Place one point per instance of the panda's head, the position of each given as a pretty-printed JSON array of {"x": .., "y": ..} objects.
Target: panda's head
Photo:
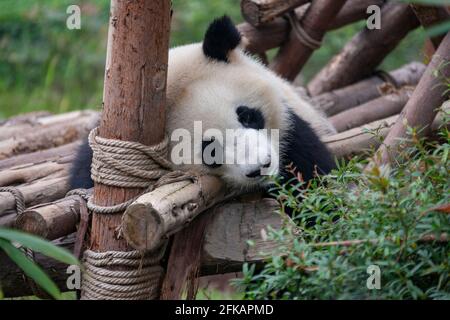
[{"x": 215, "y": 90}]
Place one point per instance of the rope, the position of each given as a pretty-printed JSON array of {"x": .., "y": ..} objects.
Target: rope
[
  {"x": 129, "y": 164},
  {"x": 19, "y": 198},
  {"x": 141, "y": 282},
  {"x": 301, "y": 33},
  {"x": 126, "y": 164}
]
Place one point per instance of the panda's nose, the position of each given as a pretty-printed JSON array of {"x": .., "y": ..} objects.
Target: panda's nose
[
  {"x": 267, "y": 165},
  {"x": 254, "y": 174}
]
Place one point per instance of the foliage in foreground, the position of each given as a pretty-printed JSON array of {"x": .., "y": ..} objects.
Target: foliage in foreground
[
  {"x": 9, "y": 241},
  {"x": 393, "y": 210}
]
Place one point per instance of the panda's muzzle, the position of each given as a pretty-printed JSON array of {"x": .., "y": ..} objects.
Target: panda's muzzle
[{"x": 257, "y": 173}]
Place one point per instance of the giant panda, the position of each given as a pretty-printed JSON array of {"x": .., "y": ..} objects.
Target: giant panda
[{"x": 222, "y": 86}]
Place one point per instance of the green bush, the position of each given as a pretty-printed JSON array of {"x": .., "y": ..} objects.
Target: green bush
[{"x": 390, "y": 211}]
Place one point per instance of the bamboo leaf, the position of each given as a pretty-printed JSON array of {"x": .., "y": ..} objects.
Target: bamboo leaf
[
  {"x": 31, "y": 269},
  {"x": 38, "y": 245}
]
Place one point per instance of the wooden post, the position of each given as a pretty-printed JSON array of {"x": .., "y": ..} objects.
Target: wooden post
[
  {"x": 133, "y": 98},
  {"x": 366, "y": 50},
  {"x": 422, "y": 107},
  {"x": 294, "y": 54}
]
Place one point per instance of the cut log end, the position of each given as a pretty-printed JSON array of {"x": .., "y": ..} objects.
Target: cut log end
[{"x": 142, "y": 226}]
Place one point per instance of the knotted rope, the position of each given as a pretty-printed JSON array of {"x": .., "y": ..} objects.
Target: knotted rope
[
  {"x": 126, "y": 164},
  {"x": 141, "y": 283},
  {"x": 301, "y": 33},
  {"x": 19, "y": 198}
]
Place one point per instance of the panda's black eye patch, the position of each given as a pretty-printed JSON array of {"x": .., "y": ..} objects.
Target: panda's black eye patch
[
  {"x": 212, "y": 153},
  {"x": 250, "y": 118}
]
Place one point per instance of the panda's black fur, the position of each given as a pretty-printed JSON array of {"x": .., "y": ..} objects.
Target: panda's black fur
[{"x": 302, "y": 148}]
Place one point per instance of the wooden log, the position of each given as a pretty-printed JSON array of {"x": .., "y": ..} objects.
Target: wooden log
[
  {"x": 134, "y": 97},
  {"x": 421, "y": 109},
  {"x": 48, "y": 137},
  {"x": 293, "y": 55},
  {"x": 53, "y": 154},
  {"x": 363, "y": 91},
  {"x": 185, "y": 260},
  {"x": 134, "y": 100},
  {"x": 156, "y": 215},
  {"x": 367, "y": 137},
  {"x": 40, "y": 191},
  {"x": 234, "y": 226},
  {"x": 376, "y": 109},
  {"x": 275, "y": 33},
  {"x": 34, "y": 171},
  {"x": 366, "y": 50},
  {"x": 51, "y": 220},
  {"x": 23, "y": 118},
  {"x": 257, "y": 12},
  {"x": 17, "y": 128},
  {"x": 430, "y": 16},
  {"x": 8, "y": 219}
]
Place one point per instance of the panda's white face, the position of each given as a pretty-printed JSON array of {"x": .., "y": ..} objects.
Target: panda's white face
[
  {"x": 237, "y": 118},
  {"x": 216, "y": 85}
]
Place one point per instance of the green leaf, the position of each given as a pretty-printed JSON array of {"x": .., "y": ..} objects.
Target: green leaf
[
  {"x": 39, "y": 245},
  {"x": 31, "y": 269}
]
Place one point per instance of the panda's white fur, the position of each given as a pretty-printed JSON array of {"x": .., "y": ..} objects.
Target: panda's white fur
[
  {"x": 203, "y": 89},
  {"x": 209, "y": 89}
]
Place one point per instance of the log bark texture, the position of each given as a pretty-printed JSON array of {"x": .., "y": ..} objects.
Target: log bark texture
[
  {"x": 366, "y": 50},
  {"x": 293, "y": 55},
  {"x": 376, "y": 109},
  {"x": 51, "y": 220},
  {"x": 50, "y": 136},
  {"x": 34, "y": 171},
  {"x": 368, "y": 89},
  {"x": 133, "y": 98},
  {"x": 183, "y": 267},
  {"x": 34, "y": 122},
  {"x": 40, "y": 191},
  {"x": 275, "y": 33},
  {"x": 422, "y": 107},
  {"x": 156, "y": 215},
  {"x": 258, "y": 12},
  {"x": 54, "y": 154},
  {"x": 367, "y": 137}
]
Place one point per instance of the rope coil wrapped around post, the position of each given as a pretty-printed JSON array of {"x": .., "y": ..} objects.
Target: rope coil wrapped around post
[{"x": 126, "y": 164}]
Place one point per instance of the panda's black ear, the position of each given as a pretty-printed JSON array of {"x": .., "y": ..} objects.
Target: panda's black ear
[{"x": 220, "y": 38}]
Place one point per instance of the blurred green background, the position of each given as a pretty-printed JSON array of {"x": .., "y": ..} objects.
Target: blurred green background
[{"x": 45, "y": 66}]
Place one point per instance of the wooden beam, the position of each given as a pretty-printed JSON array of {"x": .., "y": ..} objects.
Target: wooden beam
[
  {"x": 258, "y": 12},
  {"x": 380, "y": 108},
  {"x": 156, "y": 215},
  {"x": 368, "y": 89},
  {"x": 366, "y": 50},
  {"x": 293, "y": 55},
  {"x": 422, "y": 107},
  {"x": 275, "y": 33}
]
